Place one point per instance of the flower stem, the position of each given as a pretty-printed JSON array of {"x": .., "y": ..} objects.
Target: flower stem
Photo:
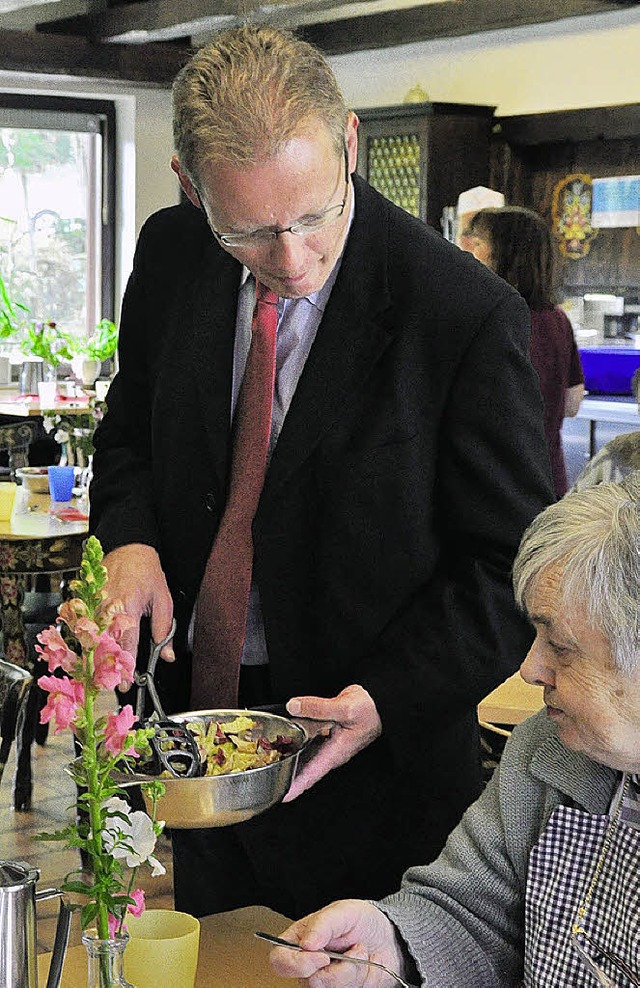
[{"x": 95, "y": 802}]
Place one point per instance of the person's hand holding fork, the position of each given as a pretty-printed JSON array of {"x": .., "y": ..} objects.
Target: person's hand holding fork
[{"x": 350, "y": 927}]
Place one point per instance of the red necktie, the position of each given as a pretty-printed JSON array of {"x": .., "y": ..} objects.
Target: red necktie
[{"x": 223, "y": 599}]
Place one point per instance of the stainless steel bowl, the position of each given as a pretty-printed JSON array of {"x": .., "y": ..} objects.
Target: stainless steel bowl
[
  {"x": 35, "y": 479},
  {"x": 220, "y": 800}
]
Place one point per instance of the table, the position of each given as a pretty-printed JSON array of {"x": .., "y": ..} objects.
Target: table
[
  {"x": 33, "y": 542},
  {"x": 619, "y": 410},
  {"x": 230, "y": 956},
  {"x": 22, "y": 406},
  {"x": 511, "y": 702}
]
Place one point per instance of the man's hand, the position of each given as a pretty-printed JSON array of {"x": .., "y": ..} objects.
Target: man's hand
[
  {"x": 357, "y": 724},
  {"x": 349, "y": 927},
  {"x": 136, "y": 578}
]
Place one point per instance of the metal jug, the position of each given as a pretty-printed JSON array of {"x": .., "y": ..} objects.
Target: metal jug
[
  {"x": 31, "y": 373},
  {"x": 18, "y": 955}
]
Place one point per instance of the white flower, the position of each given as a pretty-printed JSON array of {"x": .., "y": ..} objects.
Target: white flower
[
  {"x": 61, "y": 436},
  {"x": 132, "y": 839},
  {"x": 48, "y": 423}
]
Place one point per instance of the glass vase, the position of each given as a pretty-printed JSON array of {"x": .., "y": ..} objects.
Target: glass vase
[{"x": 106, "y": 958}]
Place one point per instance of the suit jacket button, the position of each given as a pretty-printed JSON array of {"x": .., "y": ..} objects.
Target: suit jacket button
[{"x": 210, "y": 501}]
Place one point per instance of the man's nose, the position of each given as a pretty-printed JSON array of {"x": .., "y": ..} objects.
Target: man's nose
[
  {"x": 536, "y": 669},
  {"x": 289, "y": 249}
]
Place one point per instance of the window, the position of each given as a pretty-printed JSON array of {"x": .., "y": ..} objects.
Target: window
[{"x": 57, "y": 194}]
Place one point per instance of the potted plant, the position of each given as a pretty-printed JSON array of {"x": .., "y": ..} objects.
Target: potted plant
[
  {"x": 44, "y": 348},
  {"x": 90, "y": 353},
  {"x": 10, "y": 313},
  {"x": 12, "y": 316}
]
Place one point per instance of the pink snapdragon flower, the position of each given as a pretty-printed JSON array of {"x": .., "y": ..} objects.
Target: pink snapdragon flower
[
  {"x": 138, "y": 909},
  {"x": 56, "y": 651},
  {"x": 117, "y": 730},
  {"x": 118, "y": 624},
  {"x": 87, "y": 632},
  {"x": 66, "y": 697},
  {"x": 135, "y": 909},
  {"x": 71, "y": 611},
  {"x": 113, "y": 619},
  {"x": 111, "y": 664}
]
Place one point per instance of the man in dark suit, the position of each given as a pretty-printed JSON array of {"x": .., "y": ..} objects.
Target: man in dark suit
[{"x": 407, "y": 456}]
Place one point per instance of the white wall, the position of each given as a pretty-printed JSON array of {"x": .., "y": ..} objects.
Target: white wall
[{"x": 577, "y": 62}]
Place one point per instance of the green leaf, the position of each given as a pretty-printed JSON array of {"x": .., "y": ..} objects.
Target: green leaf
[
  {"x": 67, "y": 833},
  {"x": 88, "y": 914},
  {"x": 80, "y": 888}
]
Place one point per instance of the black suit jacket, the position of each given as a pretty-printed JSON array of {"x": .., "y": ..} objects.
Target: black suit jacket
[{"x": 410, "y": 461}]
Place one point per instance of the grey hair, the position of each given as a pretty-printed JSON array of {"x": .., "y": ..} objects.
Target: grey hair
[
  {"x": 593, "y": 535},
  {"x": 242, "y": 97}
]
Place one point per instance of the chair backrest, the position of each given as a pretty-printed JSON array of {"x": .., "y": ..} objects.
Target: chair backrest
[
  {"x": 616, "y": 460},
  {"x": 16, "y": 437},
  {"x": 13, "y": 684}
]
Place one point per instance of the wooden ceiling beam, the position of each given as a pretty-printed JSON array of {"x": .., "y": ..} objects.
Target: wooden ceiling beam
[
  {"x": 32, "y": 51},
  {"x": 164, "y": 20},
  {"x": 157, "y": 63},
  {"x": 414, "y": 24},
  {"x": 161, "y": 20}
]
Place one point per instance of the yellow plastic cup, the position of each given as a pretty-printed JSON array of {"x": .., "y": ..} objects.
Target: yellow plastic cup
[
  {"x": 162, "y": 949},
  {"x": 7, "y": 498}
]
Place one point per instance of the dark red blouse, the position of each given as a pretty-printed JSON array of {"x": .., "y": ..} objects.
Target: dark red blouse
[{"x": 555, "y": 356}]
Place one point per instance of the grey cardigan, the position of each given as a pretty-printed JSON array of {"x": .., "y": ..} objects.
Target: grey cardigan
[{"x": 462, "y": 917}]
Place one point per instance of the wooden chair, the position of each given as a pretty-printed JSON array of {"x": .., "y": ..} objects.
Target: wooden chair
[
  {"x": 14, "y": 693},
  {"x": 16, "y": 438}
]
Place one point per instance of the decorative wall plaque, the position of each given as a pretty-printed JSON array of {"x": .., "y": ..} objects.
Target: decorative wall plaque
[{"x": 571, "y": 211}]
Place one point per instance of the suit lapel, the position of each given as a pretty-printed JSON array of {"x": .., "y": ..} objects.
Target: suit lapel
[
  {"x": 352, "y": 335},
  {"x": 214, "y": 304}
]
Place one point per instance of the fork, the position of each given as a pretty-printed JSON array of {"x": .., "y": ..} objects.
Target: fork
[{"x": 334, "y": 956}]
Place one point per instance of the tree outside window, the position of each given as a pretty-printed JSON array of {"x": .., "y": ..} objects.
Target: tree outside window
[{"x": 56, "y": 218}]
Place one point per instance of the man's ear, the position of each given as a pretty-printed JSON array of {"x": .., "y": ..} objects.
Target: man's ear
[
  {"x": 351, "y": 136},
  {"x": 185, "y": 182}
]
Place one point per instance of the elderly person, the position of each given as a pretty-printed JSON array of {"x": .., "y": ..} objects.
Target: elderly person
[{"x": 539, "y": 882}]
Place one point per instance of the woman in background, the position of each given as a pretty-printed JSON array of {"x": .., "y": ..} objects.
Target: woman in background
[{"x": 516, "y": 244}]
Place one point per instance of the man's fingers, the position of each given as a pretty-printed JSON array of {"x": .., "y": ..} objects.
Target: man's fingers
[
  {"x": 332, "y": 752},
  {"x": 130, "y": 638},
  {"x": 350, "y": 708},
  {"x": 161, "y": 622},
  {"x": 315, "y": 707}
]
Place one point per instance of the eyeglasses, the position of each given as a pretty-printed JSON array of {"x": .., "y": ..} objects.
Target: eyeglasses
[
  {"x": 258, "y": 238},
  {"x": 597, "y": 954}
]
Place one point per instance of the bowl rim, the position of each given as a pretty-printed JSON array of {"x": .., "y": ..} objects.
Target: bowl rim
[{"x": 137, "y": 777}]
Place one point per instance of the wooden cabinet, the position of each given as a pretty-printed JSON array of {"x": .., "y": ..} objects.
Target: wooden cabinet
[{"x": 423, "y": 155}]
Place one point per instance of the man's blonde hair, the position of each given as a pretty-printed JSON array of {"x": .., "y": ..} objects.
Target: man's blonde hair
[{"x": 244, "y": 95}]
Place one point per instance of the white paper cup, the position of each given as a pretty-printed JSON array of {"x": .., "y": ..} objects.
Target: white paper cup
[
  {"x": 162, "y": 949},
  {"x": 47, "y": 391}
]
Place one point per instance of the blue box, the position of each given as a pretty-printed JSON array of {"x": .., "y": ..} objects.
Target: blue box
[{"x": 608, "y": 370}]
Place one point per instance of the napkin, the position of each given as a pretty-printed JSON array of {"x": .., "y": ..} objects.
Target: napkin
[{"x": 69, "y": 514}]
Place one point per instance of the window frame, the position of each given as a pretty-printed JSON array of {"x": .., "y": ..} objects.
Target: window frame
[{"x": 105, "y": 111}]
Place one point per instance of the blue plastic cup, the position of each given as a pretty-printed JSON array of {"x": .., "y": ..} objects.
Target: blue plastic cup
[{"x": 61, "y": 483}]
